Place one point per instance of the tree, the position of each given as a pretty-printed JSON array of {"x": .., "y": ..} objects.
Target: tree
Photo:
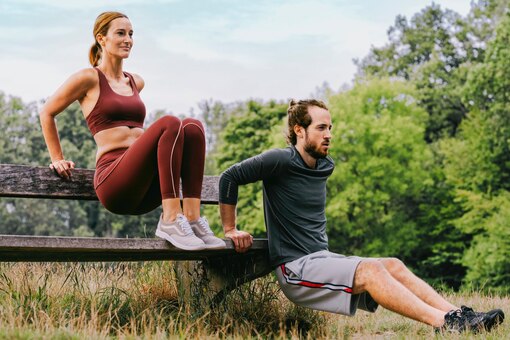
[
  {"x": 381, "y": 168},
  {"x": 477, "y": 163},
  {"x": 216, "y": 116},
  {"x": 434, "y": 50},
  {"x": 382, "y": 194}
]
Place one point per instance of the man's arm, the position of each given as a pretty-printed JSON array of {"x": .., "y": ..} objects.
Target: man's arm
[
  {"x": 242, "y": 239},
  {"x": 251, "y": 170}
]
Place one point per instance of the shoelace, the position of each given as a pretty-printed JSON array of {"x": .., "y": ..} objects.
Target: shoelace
[
  {"x": 183, "y": 223},
  {"x": 204, "y": 225},
  {"x": 455, "y": 313}
]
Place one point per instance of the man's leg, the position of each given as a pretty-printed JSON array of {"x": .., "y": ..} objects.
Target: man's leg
[
  {"x": 417, "y": 286},
  {"x": 373, "y": 277}
]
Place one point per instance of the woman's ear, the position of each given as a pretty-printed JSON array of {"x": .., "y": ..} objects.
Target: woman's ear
[{"x": 100, "y": 39}]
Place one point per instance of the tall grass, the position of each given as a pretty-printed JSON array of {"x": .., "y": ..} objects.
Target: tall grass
[{"x": 142, "y": 301}]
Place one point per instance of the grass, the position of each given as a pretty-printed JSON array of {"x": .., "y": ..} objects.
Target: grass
[{"x": 141, "y": 301}]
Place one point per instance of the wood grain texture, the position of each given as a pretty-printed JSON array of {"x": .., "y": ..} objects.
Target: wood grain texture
[
  {"x": 42, "y": 182},
  {"x": 50, "y": 248}
]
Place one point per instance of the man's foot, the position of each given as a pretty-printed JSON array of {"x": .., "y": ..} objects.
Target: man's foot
[
  {"x": 465, "y": 319},
  {"x": 203, "y": 231},
  {"x": 179, "y": 233},
  {"x": 490, "y": 319}
]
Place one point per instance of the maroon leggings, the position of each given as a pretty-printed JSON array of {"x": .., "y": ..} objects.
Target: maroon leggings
[{"x": 134, "y": 180}]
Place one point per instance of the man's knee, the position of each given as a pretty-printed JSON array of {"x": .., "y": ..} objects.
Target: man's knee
[
  {"x": 393, "y": 265},
  {"x": 368, "y": 273}
]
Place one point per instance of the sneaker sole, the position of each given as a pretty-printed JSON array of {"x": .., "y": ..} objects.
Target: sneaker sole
[
  {"x": 177, "y": 244},
  {"x": 216, "y": 246}
]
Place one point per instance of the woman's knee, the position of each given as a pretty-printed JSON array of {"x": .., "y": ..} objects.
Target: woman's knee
[
  {"x": 171, "y": 123},
  {"x": 193, "y": 127}
]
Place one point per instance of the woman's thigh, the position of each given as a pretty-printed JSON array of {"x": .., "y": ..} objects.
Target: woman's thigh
[{"x": 132, "y": 184}]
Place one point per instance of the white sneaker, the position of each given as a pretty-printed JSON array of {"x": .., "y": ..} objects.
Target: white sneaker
[
  {"x": 179, "y": 233},
  {"x": 203, "y": 231}
]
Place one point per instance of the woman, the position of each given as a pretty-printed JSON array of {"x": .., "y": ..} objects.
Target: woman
[{"x": 136, "y": 170}]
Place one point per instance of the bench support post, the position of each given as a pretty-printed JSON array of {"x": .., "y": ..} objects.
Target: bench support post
[{"x": 203, "y": 284}]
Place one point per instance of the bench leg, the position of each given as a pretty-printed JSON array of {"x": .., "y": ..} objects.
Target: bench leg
[{"x": 203, "y": 284}]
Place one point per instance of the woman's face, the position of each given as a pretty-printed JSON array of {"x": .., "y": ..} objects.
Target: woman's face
[{"x": 119, "y": 39}]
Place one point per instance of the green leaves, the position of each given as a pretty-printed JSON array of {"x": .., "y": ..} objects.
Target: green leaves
[{"x": 382, "y": 166}]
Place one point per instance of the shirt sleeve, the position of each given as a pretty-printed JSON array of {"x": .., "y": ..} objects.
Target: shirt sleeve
[{"x": 260, "y": 167}]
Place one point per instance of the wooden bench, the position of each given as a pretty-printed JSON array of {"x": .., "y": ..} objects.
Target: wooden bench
[{"x": 215, "y": 271}]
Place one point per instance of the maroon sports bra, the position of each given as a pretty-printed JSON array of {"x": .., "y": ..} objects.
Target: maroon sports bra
[{"x": 113, "y": 109}]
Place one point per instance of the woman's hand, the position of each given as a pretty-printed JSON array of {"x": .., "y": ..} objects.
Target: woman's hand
[
  {"x": 241, "y": 239},
  {"x": 63, "y": 168}
]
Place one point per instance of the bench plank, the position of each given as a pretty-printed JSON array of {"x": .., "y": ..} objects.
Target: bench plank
[
  {"x": 213, "y": 272},
  {"x": 42, "y": 182},
  {"x": 51, "y": 248}
]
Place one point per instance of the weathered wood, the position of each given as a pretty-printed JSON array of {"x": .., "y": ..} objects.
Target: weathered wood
[
  {"x": 42, "y": 182},
  {"x": 61, "y": 249},
  {"x": 206, "y": 275}
]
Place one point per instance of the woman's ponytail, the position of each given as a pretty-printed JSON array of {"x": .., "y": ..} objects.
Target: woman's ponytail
[{"x": 95, "y": 54}]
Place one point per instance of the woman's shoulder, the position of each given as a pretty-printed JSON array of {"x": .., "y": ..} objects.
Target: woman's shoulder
[
  {"x": 140, "y": 83},
  {"x": 84, "y": 78}
]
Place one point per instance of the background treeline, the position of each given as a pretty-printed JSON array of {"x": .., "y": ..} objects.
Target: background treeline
[{"x": 421, "y": 144}]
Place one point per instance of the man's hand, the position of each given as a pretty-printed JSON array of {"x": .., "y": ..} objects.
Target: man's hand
[{"x": 242, "y": 240}]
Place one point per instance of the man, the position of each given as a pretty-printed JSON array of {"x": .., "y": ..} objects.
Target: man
[{"x": 294, "y": 188}]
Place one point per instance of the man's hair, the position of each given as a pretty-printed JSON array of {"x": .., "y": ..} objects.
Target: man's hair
[{"x": 297, "y": 114}]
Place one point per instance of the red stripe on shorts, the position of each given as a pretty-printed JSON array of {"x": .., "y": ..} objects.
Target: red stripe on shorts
[
  {"x": 310, "y": 284},
  {"x": 315, "y": 284}
]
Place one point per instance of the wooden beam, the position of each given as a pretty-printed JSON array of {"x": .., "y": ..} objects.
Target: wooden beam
[
  {"x": 42, "y": 182},
  {"x": 63, "y": 249}
]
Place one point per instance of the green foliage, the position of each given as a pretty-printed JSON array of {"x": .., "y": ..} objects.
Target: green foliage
[
  {"x": 216, "y": 116},
  {"x": 477, "y": 164},
  {"x": 382, "y": 166},
  {"x": 487, "y": 258},
  {"x": 487, "y": 135},
  {"x": 434, "y": 50}
]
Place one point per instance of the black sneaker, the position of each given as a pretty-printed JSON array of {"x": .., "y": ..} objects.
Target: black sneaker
[
  {"x": 454, "y": 322},
  {"x": 466, "y": 319},
  {"x": 488, "y": 319}
]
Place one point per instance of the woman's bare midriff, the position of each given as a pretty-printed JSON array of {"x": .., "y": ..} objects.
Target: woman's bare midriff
[{"x": 115, "y": 138}]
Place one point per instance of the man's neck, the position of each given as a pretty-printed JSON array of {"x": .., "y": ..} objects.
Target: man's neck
[{"x": 310, "y": 161}]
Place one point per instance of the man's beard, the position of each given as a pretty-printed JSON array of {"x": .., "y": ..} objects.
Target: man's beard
[{"x": 314, "y": 151}]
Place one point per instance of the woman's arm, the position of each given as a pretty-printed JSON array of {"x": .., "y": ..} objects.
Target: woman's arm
[{"x": 74, "y": 88}]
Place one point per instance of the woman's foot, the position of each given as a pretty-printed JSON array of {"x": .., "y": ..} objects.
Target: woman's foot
[
  {"x": 179, "y": 233},
  {"x": 203, "y": 231}
]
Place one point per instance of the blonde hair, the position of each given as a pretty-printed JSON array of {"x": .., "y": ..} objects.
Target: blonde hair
[
  {"x": 297, "y": 114},
  {"x": 101, "y": 26}
]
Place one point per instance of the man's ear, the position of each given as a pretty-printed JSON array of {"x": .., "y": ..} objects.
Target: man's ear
[{"x": 298, "y": 130}]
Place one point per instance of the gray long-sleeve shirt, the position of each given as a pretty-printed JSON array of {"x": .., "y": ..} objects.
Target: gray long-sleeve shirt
[{"x": 294, "y": 200}]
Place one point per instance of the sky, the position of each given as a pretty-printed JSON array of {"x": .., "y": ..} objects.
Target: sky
[{"x": 188, "y": 51}]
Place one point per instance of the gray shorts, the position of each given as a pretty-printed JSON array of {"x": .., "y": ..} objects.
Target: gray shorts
[{"x": 323, "y": 281}]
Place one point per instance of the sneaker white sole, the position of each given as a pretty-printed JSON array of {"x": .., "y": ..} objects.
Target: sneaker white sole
[
  {"x": 179, "y": 245},
  {"x": 216, "y": 246}
]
